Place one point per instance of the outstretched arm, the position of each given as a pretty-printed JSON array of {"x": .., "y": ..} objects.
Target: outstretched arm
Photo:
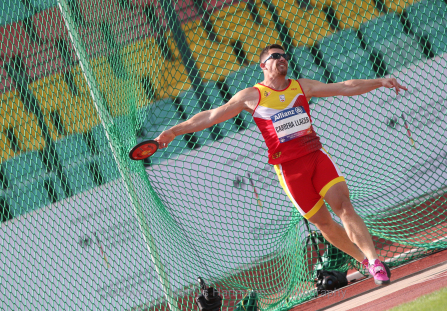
[
  {"x": 243, "y": 100},
  {"x": 314, "y": 88}
]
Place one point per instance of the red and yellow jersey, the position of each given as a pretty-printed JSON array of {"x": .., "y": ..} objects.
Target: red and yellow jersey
[{"x": 283, "y": 117}]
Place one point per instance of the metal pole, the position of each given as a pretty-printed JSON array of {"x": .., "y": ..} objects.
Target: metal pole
[{"x": 106, "y": 119}]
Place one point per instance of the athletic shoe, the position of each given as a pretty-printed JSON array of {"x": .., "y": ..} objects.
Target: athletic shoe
[{"x": 379, "y": 270}]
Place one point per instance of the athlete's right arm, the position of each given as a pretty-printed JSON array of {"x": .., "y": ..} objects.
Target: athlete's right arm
[{"x": 246, "y": 99}]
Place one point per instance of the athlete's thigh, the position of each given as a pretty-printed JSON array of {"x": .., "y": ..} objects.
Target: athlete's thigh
[
  {"x": 327, "y": 174},
  {"x": 296, "y": 179},
  {"x": 337, "y": 195}
]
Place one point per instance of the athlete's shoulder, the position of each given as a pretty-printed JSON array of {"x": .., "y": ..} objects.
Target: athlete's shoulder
[{"x": 248, "y": 94}]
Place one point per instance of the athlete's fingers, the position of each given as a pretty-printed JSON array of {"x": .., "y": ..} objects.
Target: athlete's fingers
[{"x": 164, "y": 139}]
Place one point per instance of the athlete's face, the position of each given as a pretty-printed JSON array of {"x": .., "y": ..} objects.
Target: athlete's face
[{"x": 276, "y": 65}]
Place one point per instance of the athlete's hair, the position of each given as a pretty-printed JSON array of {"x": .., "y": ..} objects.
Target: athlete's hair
[{"x": 266, "y": 50}]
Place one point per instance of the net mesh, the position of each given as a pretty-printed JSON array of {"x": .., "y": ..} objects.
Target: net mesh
[{"x": 84, "y": 227}]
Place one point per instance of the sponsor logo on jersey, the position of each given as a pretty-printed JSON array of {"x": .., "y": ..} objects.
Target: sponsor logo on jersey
[
  {"x": 282, "y": 98},
  {"x": 266, "y": 93}
]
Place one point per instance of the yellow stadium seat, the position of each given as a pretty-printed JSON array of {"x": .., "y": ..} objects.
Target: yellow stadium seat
[
  {"x": 353, "y": 13},
  {"x": 214, "y": 60},
  {"x": 305, "y": 26},
  {"x": 22, "y": 123},
  {"x": 5, "y": 150},
  {"x": 77, "y": 113},
  {"x": 399, "y": 5},
  {"x": 235, "y": 23},
  {"x": 144, "y": 59}
]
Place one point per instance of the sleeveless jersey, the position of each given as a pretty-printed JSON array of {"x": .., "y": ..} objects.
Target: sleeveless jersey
[{"x": 283, "y": 117}]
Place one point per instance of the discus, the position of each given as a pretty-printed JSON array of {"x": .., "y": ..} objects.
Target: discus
[{"x": 143, "y": 150}]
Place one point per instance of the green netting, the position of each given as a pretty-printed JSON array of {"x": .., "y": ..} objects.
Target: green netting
[{"x": 82, "y": 81}]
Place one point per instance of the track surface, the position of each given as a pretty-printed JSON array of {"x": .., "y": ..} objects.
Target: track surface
[{"x": 409, "y": 281}]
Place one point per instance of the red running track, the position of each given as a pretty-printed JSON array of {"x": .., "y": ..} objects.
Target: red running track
[{"x": 409, "y": 282}]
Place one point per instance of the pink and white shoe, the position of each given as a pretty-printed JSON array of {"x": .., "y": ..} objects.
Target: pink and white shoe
[{"x": 379, "y": 271}]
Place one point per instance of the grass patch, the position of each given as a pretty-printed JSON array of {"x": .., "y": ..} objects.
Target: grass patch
[{"x": 434, "y": 301}]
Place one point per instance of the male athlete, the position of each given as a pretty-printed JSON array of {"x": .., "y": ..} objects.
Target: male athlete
[{"x": 305, "y": 170}]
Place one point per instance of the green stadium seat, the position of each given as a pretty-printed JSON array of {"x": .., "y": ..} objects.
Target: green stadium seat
[
  {"x": 429, "y": 18},
  {"x": 56, "y": 185},
  {"x": 244, "y": 78},
  {"x": 386, "y": 35},
  {"x": 41, "y": 5},
  {"x": 306, "y": 65},
  {"x": 13, "y": 11},
  {"x": 344, "y": 57},
  {"x": 23, "y": 167},
  {"x": 24, "y": 177},
  {"x": 105, "y": 160},
  {"x": 27, "y": 197},
  {"x": 75, "y": 158}
]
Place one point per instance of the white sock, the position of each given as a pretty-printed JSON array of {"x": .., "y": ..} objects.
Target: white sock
[{"x": 371, "y": 261}]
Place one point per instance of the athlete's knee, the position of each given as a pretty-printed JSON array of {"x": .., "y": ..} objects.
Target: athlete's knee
[
  {"x": 345, "y": 209},
  {"x": 323, "y": 223}
]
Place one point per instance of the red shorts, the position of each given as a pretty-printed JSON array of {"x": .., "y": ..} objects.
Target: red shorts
[{"x": 307, "y": 179}]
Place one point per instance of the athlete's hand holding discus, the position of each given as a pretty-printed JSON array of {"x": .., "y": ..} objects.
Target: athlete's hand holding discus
[{"x": 165, "y": 138}]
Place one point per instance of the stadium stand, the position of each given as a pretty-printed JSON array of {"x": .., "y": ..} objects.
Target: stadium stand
[
  {"x": 167, "y": 77},
  {"x": 104, "y": 161},
  {"x": 213, "y": 59},
  {"x": 23, "y": 176},
  {"x": 305, "y": 26},
  {"x": 236, "y": 23},
  {"x": 20, "y": 126},
  {"x": 76, "y": 114},
  {"x": 386, "y": 35},
  {"x": 353, "y": 13},
  {"x": 428, "y": 18},
  {"x": 399, "y": 6},
  {"x": 344, "y": 57},
  {"x": 13, "y": 11},
  {"x": 76, "y": 159}
]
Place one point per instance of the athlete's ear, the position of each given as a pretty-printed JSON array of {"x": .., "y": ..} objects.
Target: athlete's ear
[{"x": 262, "y": 65}]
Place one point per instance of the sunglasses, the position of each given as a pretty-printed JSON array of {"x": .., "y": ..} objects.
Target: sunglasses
[{"x": 277, "y": 56}]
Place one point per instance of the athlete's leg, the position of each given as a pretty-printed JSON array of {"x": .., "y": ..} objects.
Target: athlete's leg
[
  {"x": 338, "y": 198},
  {"x": 334, "y": 233}
]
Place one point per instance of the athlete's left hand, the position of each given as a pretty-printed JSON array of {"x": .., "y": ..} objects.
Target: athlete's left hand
[{"x": 392, "y": 83}]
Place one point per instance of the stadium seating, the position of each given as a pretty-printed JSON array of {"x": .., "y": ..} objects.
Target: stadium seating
[
  {"x": 23, "y": 176},
  {"x": 305, "y": 26},
  {"x": 77, "y": 112},
  {"x": 246, "y": 77},
  {"x": 235, "y": 23},
  {"x": 168, "y": 77},
  {"x": 344, "y": 57},
  {"x": 49, "y": 25},
  {"x": 399, "y": 6},
  {"x": 429, "y": 18},
  {"x": 213, "y": 59},
  {"x": 13, "y": 11},
  {"x": 353, "y": 13},
  {"x": 306, "y": 65},
  {"x": 75, "y": 158},
  {"x": 158, "y": 117},
  {"x": 21, "y": 123},
  {"x": 105, "y": 160},
  {"x": 386, "y": 35},
  {"x": 5, "y": 150}
]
